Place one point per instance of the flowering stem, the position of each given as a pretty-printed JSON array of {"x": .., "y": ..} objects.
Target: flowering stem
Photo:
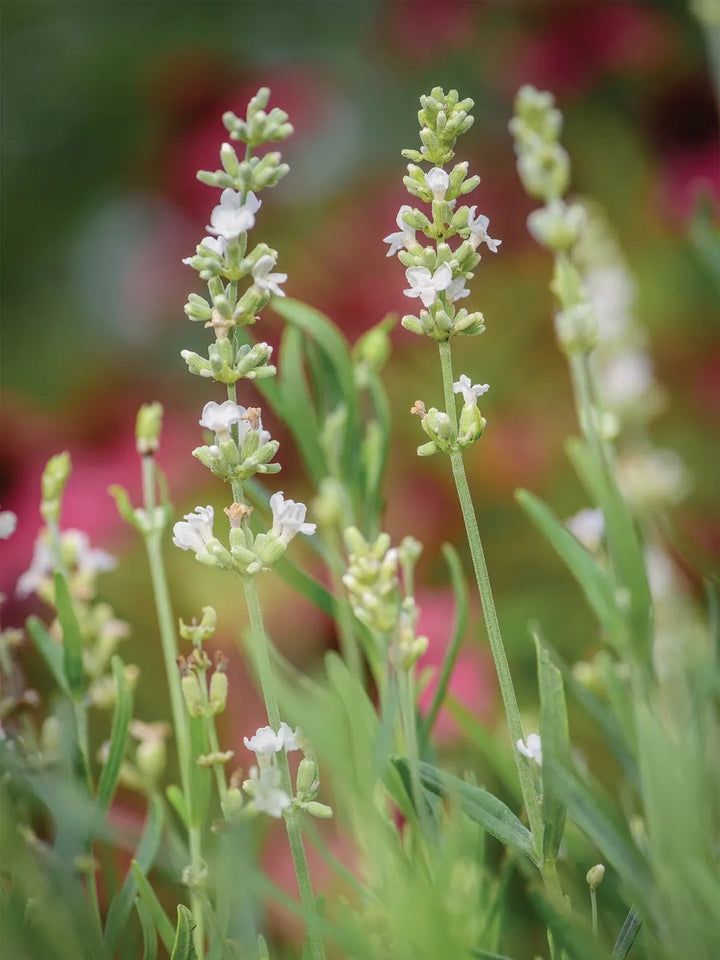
[
  {"x": 213, "y": 743},
  {"x": 593, "y": 908},
  {"x": 170, "y": 653},
  {"x": 512, "y": 713},
  {"x": 261, "y": 658}
]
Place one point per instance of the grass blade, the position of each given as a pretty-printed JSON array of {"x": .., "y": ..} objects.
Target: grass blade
[
  {"x": 154, "y": 908},
  {"x": 49, "y": 650},
  {"x": 118, "y": 736},
  {"x": 72, "y": 639}
]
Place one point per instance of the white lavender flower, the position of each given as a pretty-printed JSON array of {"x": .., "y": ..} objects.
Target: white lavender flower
[
  {"x": 8, "y": 522},
  {"x": 404, "y": 236},
  {"x": 86, "y": 560},
  {"x": 219, "y": 417},
  {"x": 265, "y": 741},
  {"x": 626, "y": 378},
  {"x": 268, "y": 796},
  {"x": 427, "y": 285},
  {"x": 196, "y": 531},
  {"x": 438, "y": 181},
  {"x": 265, "y": 280},
  {"x": 457, "y": 289},
  {"x": 233, "y": 216},
  {"x": 469, "y": 391},
  {"x": 478, "y": 231},
  {"x": 532, "y": 749},
  {"x": 216, "y": 245},
  {"x": 288, "y": 518}
]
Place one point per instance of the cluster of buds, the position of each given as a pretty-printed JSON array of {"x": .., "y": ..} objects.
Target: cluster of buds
[
  {"x": 264, "y": 786},
  {"x": 439, "y": 427},
  {"x": 381, "y": 598},
  {"x": 222, "y": 258},
  {"x": 437, "y": 274},
  {"x": 544, "y": 169},
  {"x": 239, "y": 456},
  {"x": 201, "y": 699},
  {"x": 248, "y": 554}
]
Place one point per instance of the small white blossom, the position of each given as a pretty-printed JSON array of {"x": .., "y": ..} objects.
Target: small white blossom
[
  {"x": 588, "y": 527},
  {"x": 661, "y": 573},
  {"x": 427, "y": 285},
  {"x": 438, "y": 181},
  {"x": 478, "y": 231},
  {"x": 8, "y": 522},
  {"x": 469, "y": 391},
  {"x": 532, "y": 749},
  {"x": 219, "y": 417},
  {"x": 195, "y": 533},
  {"x": 266, "y": 281},
  {"x": 612, "y": 293},
  {"x": 232, "y": 216},
  {"x": 289, "y": 737},
  {"x": 87, "y": 560},
  {"x": 216, "y": 245},
  {"x": 266, "y": 792},
  {"x": 404, "y": 237},
  {"x": 457, "y": 289},
  {"x": 624, "y": 379},
  {"x": 266, "y": 741},
  {"x": 288, "y": 518}
]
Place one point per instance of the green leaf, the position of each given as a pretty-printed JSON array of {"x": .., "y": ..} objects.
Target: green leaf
[
  {"x": 144, "y": 857},
  {"x": 154, "y": 908},
  {"x": 555, "y": 744},
  {"x": 306, "y": 586},
  {"x": 183, "y": 947},
  {"x": 177, "y": 800},
  {"x": 72, "y": 639},
  {"x": 479, "y": 954},
  {"x": 298, "y": 403},
  {"x": 200, "y": 777},
  {"x": 482, "y": 807},
  {"x": 626, "y": 937},
  {"x": 149, "y": 932},
  {"x": 49, "y": 650},
  {"x": 595, "y": 582},
  {"x": 118, "y": 736},
  {"x": 452, "y": 558}
]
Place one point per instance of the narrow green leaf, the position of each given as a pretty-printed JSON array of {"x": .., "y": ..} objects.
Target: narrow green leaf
[
  {"x": 154, "y": 908},
  {"x": 147, "y": 849},
  {"x": 299, "y": 404},
  {"x": 452, "y": 558},
  {"x": 595, "y": 582},
  {"x": 555, "y": 744},
  {"x": 626, "y": 936},
  {"x": 183, "y": 947},
  {"x": 118, "y": 736},
  {"x": 200, "y": 777},
  {"x": 72, "y": 640},
  {"x": 177, "y": 800},
  {"x": 148, "y": 930},
  {"x": 482, "y": 807},
  {"x": 49, "y": 650}
]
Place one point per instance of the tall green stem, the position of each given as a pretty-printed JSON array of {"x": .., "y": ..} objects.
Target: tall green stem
[
  {"x": 512, "y": 713},
  {"x": 166, "y": 624}
]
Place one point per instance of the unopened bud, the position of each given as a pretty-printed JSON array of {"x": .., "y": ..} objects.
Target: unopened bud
[
  {"x": 319, "y": 810},
  {"x": 147, "y": 428},
  {"x": 307, "y": 780},
  {"x": 232, "y": 805},
  {"x": 192, "y": 694},
  {"x": 594, "y": 876},
  {"x": 218, "y": 691},
  {"x": 150, "y": 758},
  {"x": 55, "y": 476}
]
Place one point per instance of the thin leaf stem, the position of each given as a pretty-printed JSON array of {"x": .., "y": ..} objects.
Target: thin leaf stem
[{"x": 507, "y": 690}]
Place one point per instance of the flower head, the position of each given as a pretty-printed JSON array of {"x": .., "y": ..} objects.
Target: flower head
[
  {"x": 197, "y": 530},
  {"x": 232, "y": 216},
  {"x": 532, "y": 749},
  {"x": 266, "y": 792},
  {"x": 438, "y": 181},
  {"x": 219, "y": 417},
  {"x": 85, "y": 560},
  {"x": 288, "y": 518},
  {"x": 265, "y": 741},
  {"x": 478, "y": 231},
  {"x": 470, "y": 393},
  {"x": 405, "y": 236},
  {"x": 427, "y": 285},
  {"x": 266, "y": 281}
]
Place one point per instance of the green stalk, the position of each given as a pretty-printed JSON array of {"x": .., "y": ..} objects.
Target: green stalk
[
  {"x": 166, "y": 624},
  {"x": 512, "y": 713},
  {"x": 213, "y": 742}
]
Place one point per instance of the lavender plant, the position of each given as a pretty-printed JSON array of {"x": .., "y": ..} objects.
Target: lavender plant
[{"x": 429, "y": 854}]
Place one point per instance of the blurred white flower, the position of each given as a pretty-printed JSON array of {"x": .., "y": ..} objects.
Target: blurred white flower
[
  {"x": 266, "y": 792},
  {"x": 532, "y": 749},
  {"x": 8, "y": 522},
  {"x": 233, "y": 216},
  {"x": 611, "y": 292},
  {"x": 470, "y": 393},
  {"x": 84, "y": 559},
  {"x": 588, "y": 527},
  {"x": 427, "y": 285},
  {"x": 195, "y": 533},
  {"x": 404, "y": 237},
  {"x": 288, "y": 518},
  {"x": 626, "y": 378},
  {"x": 265, "y": 280}
]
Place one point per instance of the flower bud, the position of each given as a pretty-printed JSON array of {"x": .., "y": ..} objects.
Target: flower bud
[
  {"x": 307, "y": 784},
  {"x": 320, "y": 810},
  {"x": 594, "y": 876},
  {"x": 577, "y": 328},
  {"x": 192, "y": 694},
  {"x": 198, "y": 632},
  {"x": 472, "y": 424},
  {"x": 218, "y": 691},
  {"x": 232, "y": 805},
  {"x": 148, "y": 427},
  {"x": 54, "y": 478},
  {"x": 150, "y": 758}
]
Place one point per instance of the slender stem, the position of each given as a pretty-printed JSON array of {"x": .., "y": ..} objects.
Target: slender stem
[
  {"x": 512, "y": 713},
  {"x": 166, "y": 624},
  {"x": 261, "y": 658},
  {"x": 593, "y": 908},
  {"x": 213, "y": 742},
  {"x": 408, "y": 717}
]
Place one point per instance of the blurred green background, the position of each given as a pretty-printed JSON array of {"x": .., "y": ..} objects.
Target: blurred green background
[{"x": 109, "y": 108}]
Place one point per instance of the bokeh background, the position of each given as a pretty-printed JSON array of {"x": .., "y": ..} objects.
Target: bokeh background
[{"x": 109, "y": 108}]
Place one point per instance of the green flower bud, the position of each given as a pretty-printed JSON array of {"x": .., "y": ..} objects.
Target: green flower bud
[
  {"x": 557, "y": 226},
  {"x": 192, "y": 694},
  {"x": 54, "y": 478},
  {"x": 148, "y": 427},
  {"x": 307, "y": 784},
  {"x": 232, "y": 805},
  {"x": 218, "y": 691},
  {"x": 199, "y": 632},
  {"x": 594, "y": 876},
  {"x": 197, "y": 308},
  {"x": 427, "y": 449},
  {"x": 577, "y": 328},
  {"x": 196, "y": 364},
  {"x": 319, "y": 810},
  {"x": 472, "y": 424},
  {"x": 151, "y": 757},
  {"x": 229, "y": 159},
  {"x": 411, "y": 323}
]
